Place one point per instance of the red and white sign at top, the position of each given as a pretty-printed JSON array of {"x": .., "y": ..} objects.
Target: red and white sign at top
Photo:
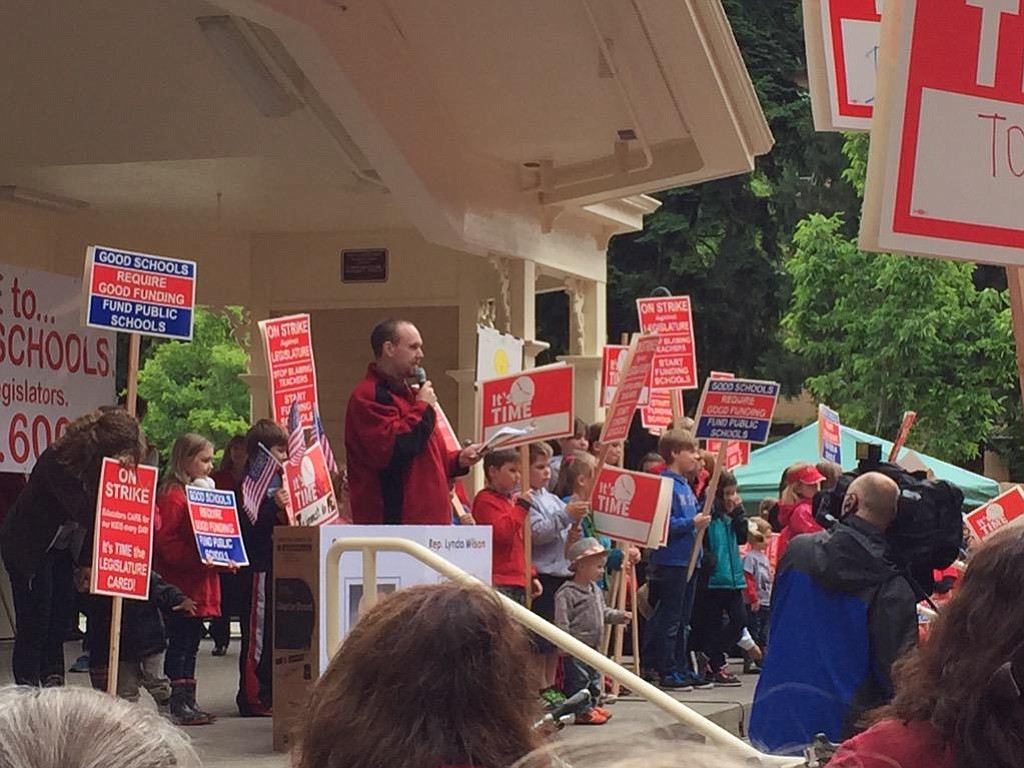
[
  {"x": 288, "y": 344},
  {"x": 122, "y": 552},
  {"x": 1000, "y": 512},
  {"x": 946, "y": 168},
  {"x": 845, "y": 35},
  {"x": 539, "y": 400},
  {"x": 632, "y": 382},
  {"x": 613, "y": 362},
  {"x": 671, "y": 319}
]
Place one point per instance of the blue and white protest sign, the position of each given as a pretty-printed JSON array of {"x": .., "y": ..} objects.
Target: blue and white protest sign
[
  {"x": 736, "y": 409},
  {"x": 830, "y": 435},
  {"x": 139, "y": 293},
  {"x": 215, "y": 523}
]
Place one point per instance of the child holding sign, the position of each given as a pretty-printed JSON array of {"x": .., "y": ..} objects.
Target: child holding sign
[
  {"x": 497, "y": 506},
  {"x": 176, "y": 558},
  {"x": 550, "y": 522}
]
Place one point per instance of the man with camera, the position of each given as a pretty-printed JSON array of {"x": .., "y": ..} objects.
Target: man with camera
[{"x": 842, "y": 613}]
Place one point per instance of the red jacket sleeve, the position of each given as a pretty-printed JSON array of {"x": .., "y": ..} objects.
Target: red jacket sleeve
[
  {"x": 173, "y": 537},
  {"x": 505, "y": 519},
  {"x": 751, "y": 591},
  {"x": 803, "y": 520},
  {"x": 382, "y": 431}
]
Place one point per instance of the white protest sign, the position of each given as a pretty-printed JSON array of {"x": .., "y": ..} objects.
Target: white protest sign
[{"x": 497, "y": 354}]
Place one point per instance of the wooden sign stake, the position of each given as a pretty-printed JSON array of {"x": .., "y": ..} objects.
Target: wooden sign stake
[
  {"x": 709, "y": 500},
  {"x": 113, "y": 657}
]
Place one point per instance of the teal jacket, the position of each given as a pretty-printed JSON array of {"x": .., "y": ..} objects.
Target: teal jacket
[{"x": 723, "y": 538}]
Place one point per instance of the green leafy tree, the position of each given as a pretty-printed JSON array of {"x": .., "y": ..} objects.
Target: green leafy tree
[
  {"x": 195, "y": 386},
  {"x": 890, "y": 333}
]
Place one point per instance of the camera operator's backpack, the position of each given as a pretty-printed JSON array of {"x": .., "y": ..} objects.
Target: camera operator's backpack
[{"x": 928, "y": 530}]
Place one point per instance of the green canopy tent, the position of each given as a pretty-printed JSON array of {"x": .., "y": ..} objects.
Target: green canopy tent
[{"x": 760, "y": 478}]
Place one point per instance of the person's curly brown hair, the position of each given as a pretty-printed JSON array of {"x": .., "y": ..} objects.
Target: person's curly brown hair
[
  {"x": 433, "y": 675},
  {"x": 950, "y": 680},
  {"x": 106, "y": 432}
]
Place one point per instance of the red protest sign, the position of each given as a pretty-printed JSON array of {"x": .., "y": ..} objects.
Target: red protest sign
[
  {"x": 632, "y": 382},
  {"x": 288, "y": 344},
  {"x": 996, "y": 514},
  {"x": 122, "y": 550},
  {"x": 675, "y": 365},
  {"x": 539, "y": 400},
  {"x": 632, "y": 506},
  {"x": 613, "y": 362},
  {"x": 736, "y": 454},
  {"x": 656, "y": 414},
  {"x": 947, "y": 149},
  {"x": 310, "y": 491},
  {"x": 843, "y": 39}
]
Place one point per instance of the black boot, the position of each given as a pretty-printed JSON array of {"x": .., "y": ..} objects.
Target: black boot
[
  {"x": 190, "y": 686},
  {"x": 182, "y": 712}
]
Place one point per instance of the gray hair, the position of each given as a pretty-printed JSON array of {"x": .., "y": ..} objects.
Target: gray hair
[
  {"x": 667, "y": 747},
  {"x": 80, "y": 727}
]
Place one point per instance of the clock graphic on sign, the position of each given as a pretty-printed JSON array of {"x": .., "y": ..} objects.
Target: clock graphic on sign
[{"x": 522, "y": 391}]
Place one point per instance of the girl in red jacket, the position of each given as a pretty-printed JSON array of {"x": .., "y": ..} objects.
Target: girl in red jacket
[
  {"x": 176, "y": 559},
  {"x": 796, "y": 511}
]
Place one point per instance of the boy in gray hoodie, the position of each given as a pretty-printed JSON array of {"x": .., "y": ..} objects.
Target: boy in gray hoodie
[{"x": 581, "y": 611}]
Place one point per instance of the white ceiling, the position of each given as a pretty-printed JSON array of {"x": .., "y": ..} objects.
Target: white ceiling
[{"x": 124, "y": 104}]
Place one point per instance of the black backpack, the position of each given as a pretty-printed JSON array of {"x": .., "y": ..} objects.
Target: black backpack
[{"x": 928, "y": 532}]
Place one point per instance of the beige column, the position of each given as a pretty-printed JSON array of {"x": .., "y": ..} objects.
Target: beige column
[{"x": 587, "y": 337}]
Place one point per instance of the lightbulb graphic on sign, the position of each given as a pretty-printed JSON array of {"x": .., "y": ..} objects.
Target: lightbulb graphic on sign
[{"x": 500, "y": 362}]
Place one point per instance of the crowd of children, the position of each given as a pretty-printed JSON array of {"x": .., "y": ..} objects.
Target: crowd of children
[{"x": 692, "y": 624}]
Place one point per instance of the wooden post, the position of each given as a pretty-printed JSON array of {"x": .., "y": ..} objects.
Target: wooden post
[
  {"x": 709, "y": 500},
  {"x": 620, "y": 629},
  {"x": 677, "y": 416},
  {"x": 524, "y": 484},
  {"x": 134, "y": 341},
  {"x": 613, "y": 597},
  {"x": 635, "y": 622}
]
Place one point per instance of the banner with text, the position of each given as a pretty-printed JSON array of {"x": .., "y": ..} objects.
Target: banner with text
[
  {"x": 947, "y": 139},
  {"x": 736, "y": 409},
  {"x": 675, "y": 365},
  {"x": 633, "y": 380},
  {"x": 737, "y": 454},
  {"x": 310, "y": 490},
  {"x": 214, "y": 519},
  {"x": 998, "y": 513},
  {"x": 632, "y": 506},
  {"x": 288, "y": 345},
  {"x": 122, "y": 553},
  {"x": 52, "y": 370},
  {"x": 539, "y": 400},
  {"x": 139, "y": 293}
]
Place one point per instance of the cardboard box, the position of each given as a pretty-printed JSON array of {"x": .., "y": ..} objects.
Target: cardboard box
[{"x": 299, "y": 592}]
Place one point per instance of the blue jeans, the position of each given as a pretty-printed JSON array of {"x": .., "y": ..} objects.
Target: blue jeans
[
  {"x": 668, "y": 628},
  {"x": 579, "y": 675}
]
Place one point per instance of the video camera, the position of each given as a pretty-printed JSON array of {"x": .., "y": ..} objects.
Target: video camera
[{"x": 928, "y": 531}]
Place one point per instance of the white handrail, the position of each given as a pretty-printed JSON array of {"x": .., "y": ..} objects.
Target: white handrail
[{"x": 369, "y": 546}]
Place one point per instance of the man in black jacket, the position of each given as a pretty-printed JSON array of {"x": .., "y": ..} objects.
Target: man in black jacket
[{"x": 841, "y": 615}]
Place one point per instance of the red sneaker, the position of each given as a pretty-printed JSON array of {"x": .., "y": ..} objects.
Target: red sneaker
[{"x": 592, "y": 717}]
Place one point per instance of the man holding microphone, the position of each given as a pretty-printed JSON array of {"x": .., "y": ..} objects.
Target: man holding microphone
[{"x": 399, "y": 469}]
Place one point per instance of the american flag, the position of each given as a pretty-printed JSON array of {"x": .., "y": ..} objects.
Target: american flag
[
  {"x": 319, "y": 434},
  {"x": 296, "y": 435},
  {"x": 262, "y": 468}
]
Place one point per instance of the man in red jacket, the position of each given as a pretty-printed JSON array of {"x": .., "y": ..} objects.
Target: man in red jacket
[{"x": 399, "y": 470}]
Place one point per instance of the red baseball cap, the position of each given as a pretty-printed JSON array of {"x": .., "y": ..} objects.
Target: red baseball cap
[{"x": 809, "y": 475}]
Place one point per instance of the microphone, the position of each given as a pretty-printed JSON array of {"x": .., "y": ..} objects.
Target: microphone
[{"x": 419, "y": 378}]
